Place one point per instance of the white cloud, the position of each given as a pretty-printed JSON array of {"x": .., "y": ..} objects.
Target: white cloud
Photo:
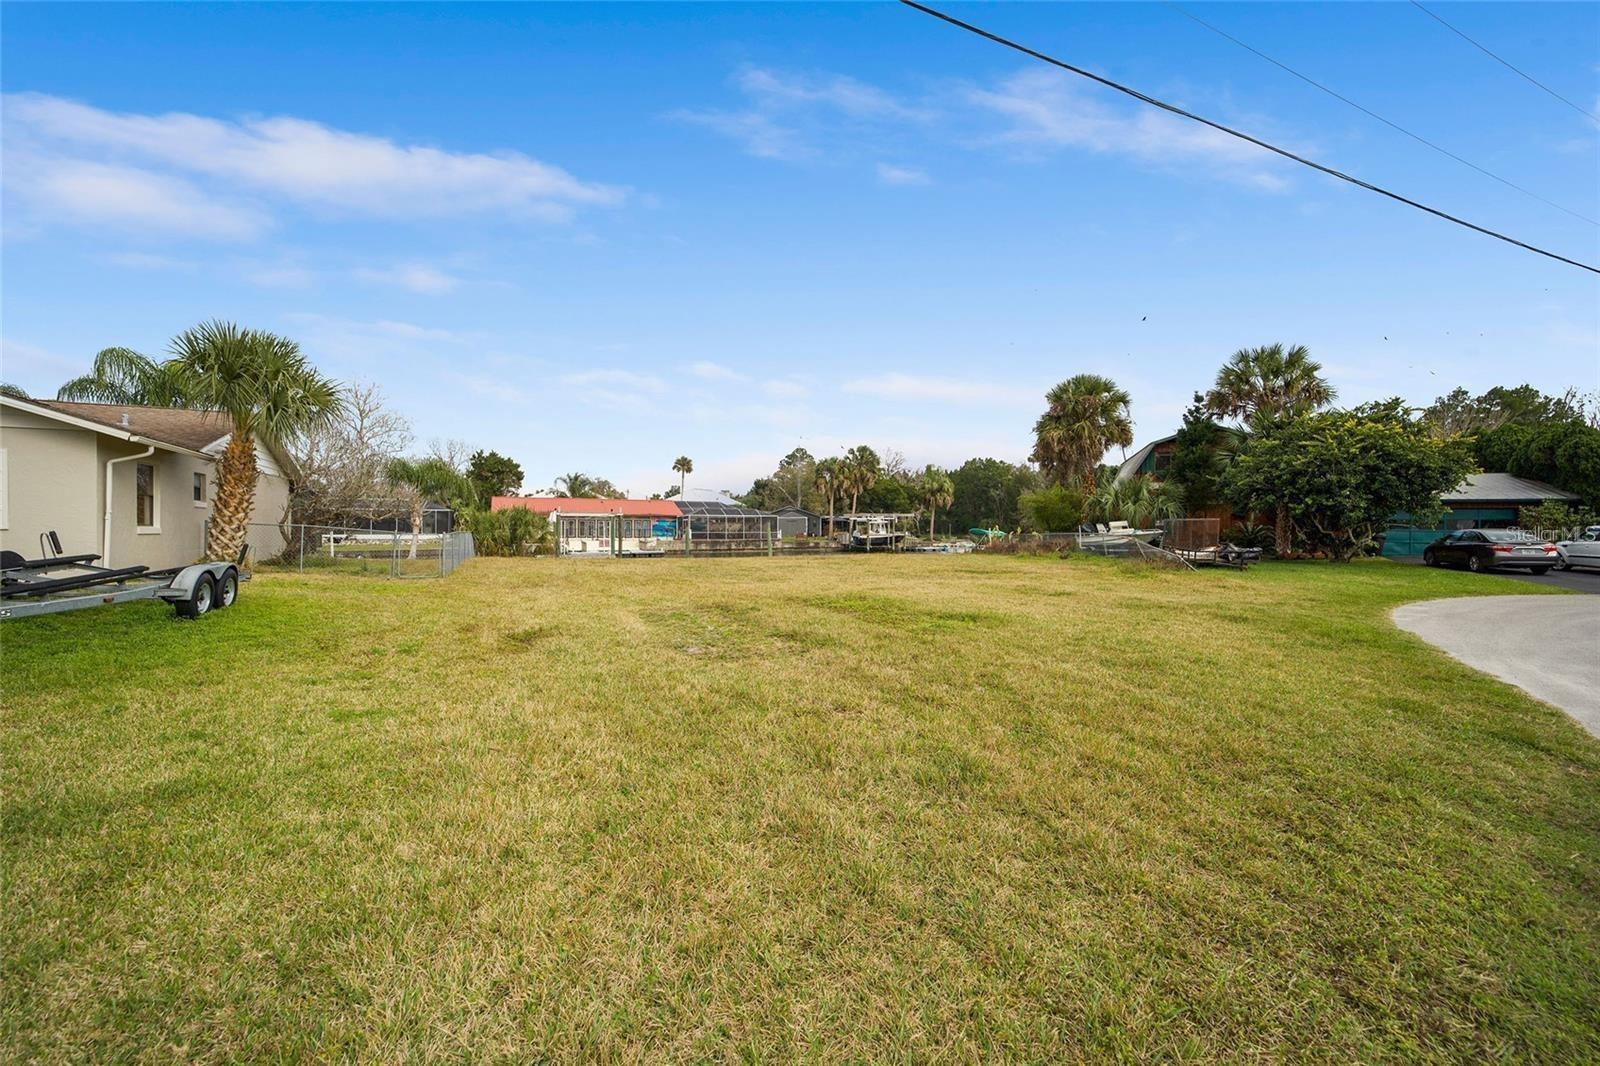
[
  {"x": 1047, "y": 110},
  {"x": 757, "y": 133},
  {"x": 281, "y": 276},
  {"x": 146, "y": 261},
  {"x": 103, "y": 194},
  {"x": 626, "y": 379},
  {"x": 362, "y": 341},
  {"x": 714, "y": 371},
  {"x": 34, "y": 367},
  {"x": 783, "y": 389},
  {"x": 900, "y": 386},
  {"x": 99, "y": 165},
  {"x": 890, "y": 174},
  {"x": 491, "y": 388},
  {"x": 837, "y": 91},
  {"x": 414, "y": 277},
  {"x": 781, "y": 106}
]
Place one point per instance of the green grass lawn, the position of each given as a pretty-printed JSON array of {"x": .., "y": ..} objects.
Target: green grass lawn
[{"x": 838, "y": 808}]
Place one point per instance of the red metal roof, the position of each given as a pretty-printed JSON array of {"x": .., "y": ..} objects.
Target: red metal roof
[{"x": 589, "y": 505}]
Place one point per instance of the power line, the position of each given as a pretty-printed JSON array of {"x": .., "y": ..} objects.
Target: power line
[
  {"x": 1230, "y": 131},
  {"x": 1368, "y": 111},
  {"x": 1590, "y": 115}
]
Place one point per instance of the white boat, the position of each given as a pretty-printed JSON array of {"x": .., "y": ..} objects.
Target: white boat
[
  {"x": 1110, "y": 535},
  {"x": 875, "y": 532},
  {"x": 948, "y": 547}
]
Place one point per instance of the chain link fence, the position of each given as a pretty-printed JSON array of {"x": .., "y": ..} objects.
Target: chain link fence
[{"x": 304, "y": 548}]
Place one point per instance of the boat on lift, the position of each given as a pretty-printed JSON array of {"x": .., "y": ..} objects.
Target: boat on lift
[{"x": 875, "y": 532}]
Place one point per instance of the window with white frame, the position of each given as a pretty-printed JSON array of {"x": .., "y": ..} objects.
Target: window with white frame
[
  {"x": 199, "y": 489},
  {"x": 146, "y": 514},
  {"x": 5, "y": 491}
]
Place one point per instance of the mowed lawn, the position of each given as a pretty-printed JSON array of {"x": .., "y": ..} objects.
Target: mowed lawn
[{"x": 837, "y": 808}]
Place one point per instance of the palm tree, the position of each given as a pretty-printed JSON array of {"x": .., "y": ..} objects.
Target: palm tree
[
  {"x": 1141, "y": 500},
  {"x": 859, "y": 472},
  {"x": 267, "y": 391},
  {"x": 827, "y": 477},
  {"x": 937, "y": 490},
  {"x": 684, "y": 466},
  {"x": 1269, "y": 383},
  {"x": 575, "y": 484},
  {"x": 421, "y": 480},
  {"x": 1263, "y": 387},
  {"x": 1086, "y": 416},
  {"x": 122, "y": 375}
]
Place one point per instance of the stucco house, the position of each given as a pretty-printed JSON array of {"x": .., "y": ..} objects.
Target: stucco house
[{"x": 132, "y": 484}]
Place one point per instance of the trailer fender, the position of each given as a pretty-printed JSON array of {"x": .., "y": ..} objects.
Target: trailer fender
[{"x": 185, "y": 581}]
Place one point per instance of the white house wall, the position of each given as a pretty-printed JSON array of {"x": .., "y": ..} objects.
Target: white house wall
[{"x": 52, "y": 480}]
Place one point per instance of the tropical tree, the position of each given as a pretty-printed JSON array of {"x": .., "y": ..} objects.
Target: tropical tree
[
  {"x": 1264, "y": 387},
  {"x": 1270, "y": 382},
  {"x": 859, "y": 472},
  {"x": 828, "y": 479},
  {"x": 1345, "y": 474},
  {"x": 16, "y": 392},
  {"x": 1086, "y": 416},
  {"x": 267, "y": 390},
  {"x": 493, "y": 474},
  {"x": 575, "y": 484},
  {"x": 935, "y": 489},
  {"x": 684, "y": 466},
  {"x": 122, "y": 375},
  {"x": 421, "y": 480},
  {"x": 1052, "y": 509}
]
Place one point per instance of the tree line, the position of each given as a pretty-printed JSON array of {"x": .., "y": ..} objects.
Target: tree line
[{"x": 1263, "y": 439}]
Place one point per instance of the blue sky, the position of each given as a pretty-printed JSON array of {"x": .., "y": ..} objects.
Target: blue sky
[{"x": 594, "y": 237}]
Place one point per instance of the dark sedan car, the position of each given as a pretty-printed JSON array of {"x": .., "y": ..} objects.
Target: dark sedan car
[{"x": 1485, "y": 549}]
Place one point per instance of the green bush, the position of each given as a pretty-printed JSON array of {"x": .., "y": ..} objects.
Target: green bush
[
  {"x": 1250, "y": 535},
  {"x": 513, "y": 531},
  {"x": 1057, "y": 509}
]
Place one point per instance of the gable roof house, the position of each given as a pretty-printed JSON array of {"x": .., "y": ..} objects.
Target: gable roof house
[{"x": 131, "y": 484}]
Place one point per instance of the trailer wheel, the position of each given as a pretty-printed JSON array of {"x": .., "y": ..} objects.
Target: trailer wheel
[
  {"x": 201, "y": 600},
  {"x": 228, "y": 589}
]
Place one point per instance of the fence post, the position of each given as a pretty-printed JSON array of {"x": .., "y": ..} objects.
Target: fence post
[
  {"x": 302, "y": 547},
  {"x": 394, "y": 551}
]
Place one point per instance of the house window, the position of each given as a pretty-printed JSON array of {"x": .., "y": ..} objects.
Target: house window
[
  {"x": 199, "y": 489},
  {"x": 144, "y": 495},
  {"x": 5, "y": 489}
]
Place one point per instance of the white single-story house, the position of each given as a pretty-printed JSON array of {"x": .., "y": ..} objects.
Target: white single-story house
[{"x": 131, "y": 484}]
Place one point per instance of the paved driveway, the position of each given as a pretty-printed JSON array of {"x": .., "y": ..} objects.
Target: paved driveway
[
  {"x": 1572, "y": 580},
  {"x": 1548, "y": 646}
]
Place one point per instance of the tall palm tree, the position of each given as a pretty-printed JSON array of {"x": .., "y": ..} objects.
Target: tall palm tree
[
  {"x": 937, "y": 490},
  {"x": 267, "y": 391},
  {"x": 122, "y": 375},
  {"x": 421, "y": 480},
  {"x": 575, "y": 484},
  {"x": 827, "y": 477},
  {"x": 859, "y": 472},
  {"x": 684, "y": 466},
  {"x": 1269, "y": 383},
  {"x": 1263, "y": 387},
  {"x": 1085, "y": 417}
]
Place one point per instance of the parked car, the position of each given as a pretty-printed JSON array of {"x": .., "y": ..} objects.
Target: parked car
[
  {"x": 1487, "y": 549},
  {"x": 1584, "y": 551}
]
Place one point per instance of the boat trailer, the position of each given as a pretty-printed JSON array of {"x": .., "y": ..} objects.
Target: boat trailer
[{"x": 56, "y": 582}]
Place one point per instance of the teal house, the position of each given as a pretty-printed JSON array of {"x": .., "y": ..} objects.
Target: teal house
[{"x": 1483, "y": 501}]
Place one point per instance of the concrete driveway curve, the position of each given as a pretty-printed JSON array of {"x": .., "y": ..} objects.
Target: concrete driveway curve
[{"x": 1548, "y": 646}]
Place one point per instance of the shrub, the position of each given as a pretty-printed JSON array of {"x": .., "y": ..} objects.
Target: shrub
[
  {"x": 1057, "y": 509},
  {"x": 1250, "y": 535},
  {"x": 513, "y": 531}
]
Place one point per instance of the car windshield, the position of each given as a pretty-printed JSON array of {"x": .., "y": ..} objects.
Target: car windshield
[{"x": 1506, "y": 536}]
